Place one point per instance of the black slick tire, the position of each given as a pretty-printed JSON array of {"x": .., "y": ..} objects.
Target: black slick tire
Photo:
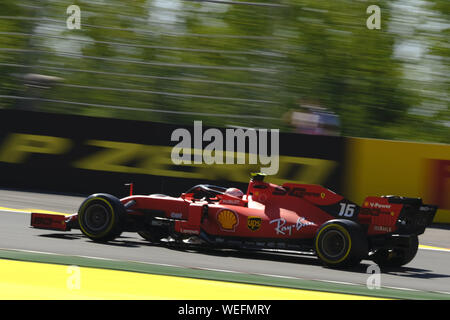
[
  {"x": 341, "y": 243},
  {"x": 393, "y": 258},
  {"x": 101, "y": 217}
]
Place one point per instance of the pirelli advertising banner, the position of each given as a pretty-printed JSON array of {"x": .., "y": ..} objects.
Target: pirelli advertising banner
[
  {"x": 84, "y": 155},
  {"x": 380, "y": 167}
]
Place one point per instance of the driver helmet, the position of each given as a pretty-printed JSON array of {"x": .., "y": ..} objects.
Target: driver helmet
[{"x": 235, "y": 192}]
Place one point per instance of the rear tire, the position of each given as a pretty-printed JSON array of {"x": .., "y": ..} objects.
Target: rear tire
[
  {"x": 396, "y": 257},
  {"x": 341, "y": 243},
  {"x": 101, "y": 217}
]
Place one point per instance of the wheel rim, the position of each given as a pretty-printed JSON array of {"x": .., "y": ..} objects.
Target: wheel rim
[
  {"x": 96, "y": 217},
  {"x": 333, "y": 244}
]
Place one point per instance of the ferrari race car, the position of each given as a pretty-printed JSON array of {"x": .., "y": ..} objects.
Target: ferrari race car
[{"x": 295, "y": 217}]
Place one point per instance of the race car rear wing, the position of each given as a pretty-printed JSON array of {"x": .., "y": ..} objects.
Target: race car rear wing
[
  {"x": 415, "y": 216},
  {"x": 50, "y": 221},
  {"x": 394, "y": 214}
]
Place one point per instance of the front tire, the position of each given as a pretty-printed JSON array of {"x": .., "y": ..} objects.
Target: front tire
[
  {"x": 341, "y": 243},
  {"x": 101, "y": 217}
]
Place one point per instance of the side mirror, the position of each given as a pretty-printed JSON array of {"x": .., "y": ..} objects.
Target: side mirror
[{"x": 131, "y": 187}]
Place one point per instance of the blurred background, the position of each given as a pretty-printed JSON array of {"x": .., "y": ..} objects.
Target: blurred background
[{"x": 302, "y": 66}]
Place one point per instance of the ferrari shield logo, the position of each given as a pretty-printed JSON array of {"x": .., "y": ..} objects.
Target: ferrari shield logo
[{"x": 254, "y": 223}]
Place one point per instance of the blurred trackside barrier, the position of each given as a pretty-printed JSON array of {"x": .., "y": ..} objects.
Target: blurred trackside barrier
[
  {"x": 79, "y": 154},
  {"x": 381, "y": 167}
]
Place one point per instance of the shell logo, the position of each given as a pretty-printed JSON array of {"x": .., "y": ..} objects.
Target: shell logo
[{"x": 228, "y": 220}]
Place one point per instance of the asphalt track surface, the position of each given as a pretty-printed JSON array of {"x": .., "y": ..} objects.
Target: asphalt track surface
[{"x": 429, "y": 271}]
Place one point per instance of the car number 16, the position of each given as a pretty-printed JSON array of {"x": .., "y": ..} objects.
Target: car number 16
[{"x": 347, "y": 210}]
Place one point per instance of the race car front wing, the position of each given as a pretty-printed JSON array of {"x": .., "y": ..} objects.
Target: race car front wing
[{"x": 54, "y": 221}]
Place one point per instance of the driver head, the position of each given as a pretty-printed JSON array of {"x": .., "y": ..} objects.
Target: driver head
[{"x": 234, "y": 192}]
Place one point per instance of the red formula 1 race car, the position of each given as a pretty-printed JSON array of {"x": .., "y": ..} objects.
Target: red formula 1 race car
[{"x": 298, "y": 217}]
